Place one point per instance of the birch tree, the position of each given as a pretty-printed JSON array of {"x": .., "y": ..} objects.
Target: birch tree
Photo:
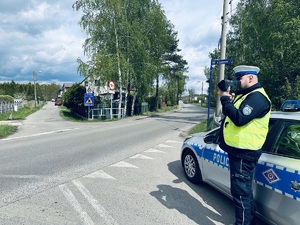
[{"x": 126, "y": 42}]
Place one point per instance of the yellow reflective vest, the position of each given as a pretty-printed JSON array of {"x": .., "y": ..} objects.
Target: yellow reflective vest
[{"x": 250, "y": 136}]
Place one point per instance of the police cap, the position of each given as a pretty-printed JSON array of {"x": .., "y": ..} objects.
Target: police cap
[{"x": 242, "y": 70}]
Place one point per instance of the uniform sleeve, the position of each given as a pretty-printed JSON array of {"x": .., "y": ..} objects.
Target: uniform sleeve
[{"x": 254, "y": 106}]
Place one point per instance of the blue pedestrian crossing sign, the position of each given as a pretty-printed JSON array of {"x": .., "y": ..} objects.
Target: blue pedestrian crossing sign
[{"x": 89, "y": 99}]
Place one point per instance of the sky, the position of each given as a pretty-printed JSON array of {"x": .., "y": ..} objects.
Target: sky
[{"x": 43, "y": 36}]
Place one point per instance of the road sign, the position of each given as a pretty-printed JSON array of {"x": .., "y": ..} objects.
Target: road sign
[
  {"x": 111, "y": 85},
  {"x": 221, "y": 61},
  {"x": 89, "y": 89},
  {"x": 89, "y": 99}
]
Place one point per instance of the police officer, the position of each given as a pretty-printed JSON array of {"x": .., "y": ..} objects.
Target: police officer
[{"x": 243, "y": 133}]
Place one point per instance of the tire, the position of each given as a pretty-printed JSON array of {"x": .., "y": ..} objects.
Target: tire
[{"x": 191, "y": 167}]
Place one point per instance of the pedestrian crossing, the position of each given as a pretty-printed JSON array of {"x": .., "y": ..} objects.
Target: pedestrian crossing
[{"x": 71, "y": 190}]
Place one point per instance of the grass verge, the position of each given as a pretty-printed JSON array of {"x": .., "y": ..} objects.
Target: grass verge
[
  {"x": 6, "y": 130},
  {"x": 201, "y": 127}
]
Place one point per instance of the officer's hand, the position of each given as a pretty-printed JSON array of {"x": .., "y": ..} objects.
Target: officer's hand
[{"x": 224, "y": 93}]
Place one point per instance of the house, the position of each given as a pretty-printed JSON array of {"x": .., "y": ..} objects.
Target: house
[{"x": 64, "y": 88}]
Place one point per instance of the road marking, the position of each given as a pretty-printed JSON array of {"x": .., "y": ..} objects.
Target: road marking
[
  {"x": 170, "y": 141},
  {"x": 94, "y": 202},
  {"x": 85, "y": 218},
  {"x": 164, "y": 146},
  {"x": 23, "y": 176},
  {"x": 154, "y": 150},
  {"x": 123, "y": 164},
  {"x": 39, "y": 134},
  {"x": 100, "y": 174},
  {"x": 140, "y": 156}
]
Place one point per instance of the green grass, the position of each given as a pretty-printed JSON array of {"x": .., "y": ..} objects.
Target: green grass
[
  {"x": 6, "y": 130},
  {"x": 201, "y": 127},
  {"x": 67, "y": 114},
  {"x": 167, "y": 108},
  {"x": 21, "y": 113}
]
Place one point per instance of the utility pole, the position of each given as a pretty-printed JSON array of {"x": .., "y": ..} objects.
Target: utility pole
[
  {"x": 223, "y": 52},
  {"x": 34, "y": 82}
]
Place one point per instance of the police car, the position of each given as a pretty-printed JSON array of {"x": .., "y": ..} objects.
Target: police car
[{"x": 276, "y": 185}]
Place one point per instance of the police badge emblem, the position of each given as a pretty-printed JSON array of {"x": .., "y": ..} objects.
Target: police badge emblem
[{"x": 247, "y": 110}]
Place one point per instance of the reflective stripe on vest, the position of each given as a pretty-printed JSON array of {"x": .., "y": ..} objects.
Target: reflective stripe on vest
[{"x": 252, "y": 135}]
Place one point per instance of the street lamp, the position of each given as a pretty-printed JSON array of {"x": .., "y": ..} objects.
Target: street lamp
[{"x": 34, "y": 82}]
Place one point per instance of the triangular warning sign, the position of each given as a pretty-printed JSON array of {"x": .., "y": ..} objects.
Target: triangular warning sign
[{"x": 89, "y": 101}]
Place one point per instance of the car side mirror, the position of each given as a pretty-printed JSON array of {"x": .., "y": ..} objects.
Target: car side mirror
[{"x": 210, "y": 139}]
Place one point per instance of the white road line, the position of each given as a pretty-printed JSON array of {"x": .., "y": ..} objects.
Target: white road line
[
  {"x": 140, "y": 156},
  {"x": 165, "y": 146},
  {"x": 39, "y": 134},
  {"x": 94, "y": 202},
  {"x": 154, "y": 150},
  {"x": 85, "y": 218},
  {"x": 124, "y": 164},
  {"x": 100, "y": 174},
  {"x": 170, "y": 141},
  {"x": 23, "y": 176}
]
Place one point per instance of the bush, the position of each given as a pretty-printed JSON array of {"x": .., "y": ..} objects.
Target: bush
[{"x": 6, "y": 98}]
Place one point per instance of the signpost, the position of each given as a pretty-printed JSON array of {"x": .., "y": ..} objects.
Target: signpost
[
  {"x": 214, "y": 62},
  {"x": 89, "y": 101},
  {"x": 111, "y": 86}
]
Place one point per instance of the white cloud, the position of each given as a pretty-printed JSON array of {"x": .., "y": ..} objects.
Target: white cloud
[
  {"x": 199, "y": 29},
  {"x": 39, "y": 35},
  {"x": 44, "y": 35}
]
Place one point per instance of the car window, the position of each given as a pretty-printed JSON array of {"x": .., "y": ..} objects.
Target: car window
[
  {"x": 288, "y": 141},
  {"x": 271, "y": 124}
]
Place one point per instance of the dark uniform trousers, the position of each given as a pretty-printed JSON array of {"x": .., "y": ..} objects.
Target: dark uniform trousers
[{"x": 241, "y": 175}]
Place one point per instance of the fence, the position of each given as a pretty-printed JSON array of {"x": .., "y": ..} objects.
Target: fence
[
  {"x": 10, "y": 106},
  {"x": 106, "y": 113}
]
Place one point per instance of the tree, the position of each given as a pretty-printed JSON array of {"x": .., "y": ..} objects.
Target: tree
[
  {"x": 126, "y": 42},
  {"x": 266, "y": 34},
  {"x": 175, "y": 66}
]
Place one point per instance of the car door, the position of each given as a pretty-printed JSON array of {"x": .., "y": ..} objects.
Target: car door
[
  {"x": 216, "y": 165},
  {"x": 277, "y": 175}
]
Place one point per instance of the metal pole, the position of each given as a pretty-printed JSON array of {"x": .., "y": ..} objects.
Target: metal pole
[
  {"x": 209, "y": 93},
  {"x": 34, "y": 82},
  {"x": 111, "y": 98},
  {"x": 223, "y": 51}
]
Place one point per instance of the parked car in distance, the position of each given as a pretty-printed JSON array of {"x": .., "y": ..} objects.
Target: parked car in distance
[
  {"x": 290, "y": 105},
  {"x": 276, "y": 185},
  {"x": 58, "y": 102}
]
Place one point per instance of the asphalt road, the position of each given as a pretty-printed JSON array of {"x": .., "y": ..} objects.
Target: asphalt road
[{"x": 126, "y": 172}]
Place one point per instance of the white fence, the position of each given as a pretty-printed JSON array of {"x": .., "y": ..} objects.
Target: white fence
[
  {"x": 106, "y": 113},
  {"x": 10, "y": 106}
]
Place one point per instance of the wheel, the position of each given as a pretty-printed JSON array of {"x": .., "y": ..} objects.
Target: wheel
[{"x": 191, "y": 167}]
